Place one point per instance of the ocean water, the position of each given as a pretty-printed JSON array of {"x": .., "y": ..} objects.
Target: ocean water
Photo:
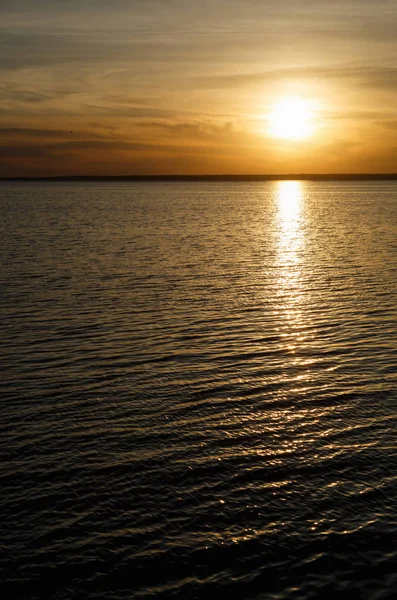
[{"x": 199, "y": 390}]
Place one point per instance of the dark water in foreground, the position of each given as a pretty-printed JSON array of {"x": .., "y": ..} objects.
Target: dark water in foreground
[{"x": 199, "y": 392}]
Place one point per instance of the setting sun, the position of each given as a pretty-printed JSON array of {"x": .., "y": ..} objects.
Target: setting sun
[{"x": 292, "y": 119}]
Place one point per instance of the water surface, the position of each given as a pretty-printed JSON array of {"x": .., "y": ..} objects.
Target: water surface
[{"x": 199, "y": 390}]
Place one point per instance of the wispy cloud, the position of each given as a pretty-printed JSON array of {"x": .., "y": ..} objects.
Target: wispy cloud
[{"x": 368, "y": 76}]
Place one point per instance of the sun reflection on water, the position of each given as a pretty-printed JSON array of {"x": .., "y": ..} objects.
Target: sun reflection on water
[
  {"x": 289, "y": 261},
  {"x": 290, "y": 200}
]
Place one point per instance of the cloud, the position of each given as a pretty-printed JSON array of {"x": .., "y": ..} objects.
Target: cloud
[
  {"x": 389, "y": 123},
  {"x": 367, "y": 76},
  {"x": 192, "y": 130},
  {"x": 151, "y": 139},
  {"x": 184, "y": 31},
  {"x": 21, "y": 132},
  {"x": 21, "y": 49}
]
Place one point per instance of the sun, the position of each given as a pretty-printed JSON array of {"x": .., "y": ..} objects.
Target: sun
[{"x": 292, "y": 119}]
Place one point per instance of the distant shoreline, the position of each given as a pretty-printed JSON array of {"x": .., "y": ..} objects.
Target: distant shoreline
[{"x": 215, "y": 178}]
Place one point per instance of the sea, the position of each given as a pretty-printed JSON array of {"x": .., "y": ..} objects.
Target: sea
[{"x": 198, "y": 390}]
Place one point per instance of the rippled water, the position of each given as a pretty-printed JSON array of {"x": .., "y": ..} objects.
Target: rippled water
[{"x": 199, "y": 392}]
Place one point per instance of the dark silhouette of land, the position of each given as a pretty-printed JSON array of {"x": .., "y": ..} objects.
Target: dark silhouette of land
[{"x": 221, "y": 177}]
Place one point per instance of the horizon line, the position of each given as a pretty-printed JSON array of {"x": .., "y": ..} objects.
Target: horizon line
[{"x": 210, "y": 177}]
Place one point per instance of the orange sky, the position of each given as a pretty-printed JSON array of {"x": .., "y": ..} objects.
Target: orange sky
[{"x": 181, "y": 86}]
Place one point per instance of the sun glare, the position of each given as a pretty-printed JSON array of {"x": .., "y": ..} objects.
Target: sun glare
[{"x": 291, "y": 119}]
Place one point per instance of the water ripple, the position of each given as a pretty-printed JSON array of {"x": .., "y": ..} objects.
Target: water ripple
[{"x": 198, "y": 390}]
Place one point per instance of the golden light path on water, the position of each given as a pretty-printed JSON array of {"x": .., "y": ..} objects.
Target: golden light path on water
[
  {"x": 291, "y": 370},
  {"x": 292, "y": 297},
  {"x": 290, "y": 255}
]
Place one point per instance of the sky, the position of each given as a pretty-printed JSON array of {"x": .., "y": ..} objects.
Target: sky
[{"x": 93, "y": 87}]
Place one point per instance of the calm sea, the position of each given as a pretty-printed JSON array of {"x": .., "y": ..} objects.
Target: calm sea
[{"x": 199, "y": 390}]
